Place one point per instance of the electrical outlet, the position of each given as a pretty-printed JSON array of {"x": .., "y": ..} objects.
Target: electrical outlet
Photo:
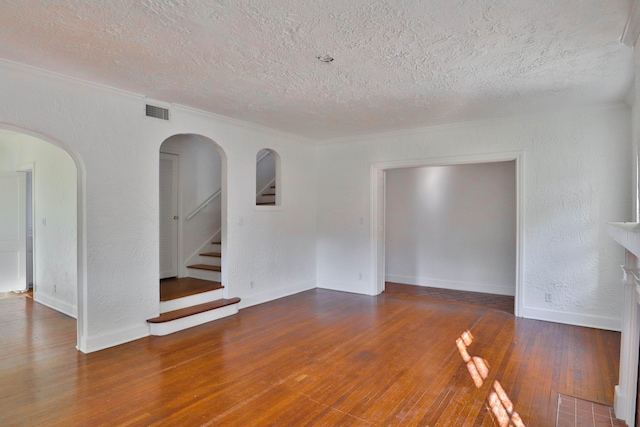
[{"x": 548, "y": 297}]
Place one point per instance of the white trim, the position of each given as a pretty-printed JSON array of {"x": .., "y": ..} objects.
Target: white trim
[
  {"x": 271, "y": 295},
  {"x": 31, "y": 167},
  {"x": 22, "y": 68},
  {"x": 359, "y": 287},
  {"x": 56, "y": 304},
  {"x": 244, "y": 125},
  {"x": 576, "y": 319},
  {"x": 166, "y": 328},
  {"x": 175, "y": 180},
  {"x": 419, "y": 131},
  {"x": 112, "y": 339},
  {"x": 377, "y": 206},
  {"x": 454, "y": 285}
]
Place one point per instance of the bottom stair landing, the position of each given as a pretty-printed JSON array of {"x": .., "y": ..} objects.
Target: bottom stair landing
[{"x": 188, "y": 302}]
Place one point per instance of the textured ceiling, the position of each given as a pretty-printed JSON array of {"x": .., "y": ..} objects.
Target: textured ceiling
[{"x": 398, "y": 63}]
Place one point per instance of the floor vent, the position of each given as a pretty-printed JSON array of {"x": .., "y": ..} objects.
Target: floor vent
[{"x": 157, "y": 112}]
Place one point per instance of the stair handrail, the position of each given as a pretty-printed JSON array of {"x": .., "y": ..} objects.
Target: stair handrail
[
  {"x": 204, "y": 204},
  {"x": 266, "y": 153},
  {"x": 269, "y": 184}
]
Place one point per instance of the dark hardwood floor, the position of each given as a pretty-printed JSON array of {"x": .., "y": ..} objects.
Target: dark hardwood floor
[{"x": 316, "y": 358}]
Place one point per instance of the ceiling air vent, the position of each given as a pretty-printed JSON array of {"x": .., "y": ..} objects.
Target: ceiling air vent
[{"x": 157, "y": 112}]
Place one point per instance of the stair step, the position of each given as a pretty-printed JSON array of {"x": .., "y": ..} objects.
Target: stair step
[
  {"x": 266, "y": 204},
  {"x": 174, "y": 288},
  {"x": 268, "y": 194},
  {"x": 190, "y": 311},
  {"x": 205, "y": 267},
  {"x": 212, "y": 254},
  {"x": 216, "y": 243}
]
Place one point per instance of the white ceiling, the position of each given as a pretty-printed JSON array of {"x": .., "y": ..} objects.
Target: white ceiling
[{"x": 398, "y": 63}]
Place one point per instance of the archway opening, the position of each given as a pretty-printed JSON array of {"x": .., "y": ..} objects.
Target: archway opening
[
  {"x": 45, "y": 263},
  {"x": 268, "y": 191},
  {"x": 192, "y": 215}
]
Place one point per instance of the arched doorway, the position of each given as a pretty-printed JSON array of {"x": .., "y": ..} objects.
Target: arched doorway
[
  {"x": 192, "y": 206},
  {"x": 52, "y": 221}
]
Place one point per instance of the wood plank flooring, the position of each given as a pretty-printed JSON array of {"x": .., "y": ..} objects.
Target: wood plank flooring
[
  {"x": 316, "y": 358},
  {"x": 174, "y": 287}
]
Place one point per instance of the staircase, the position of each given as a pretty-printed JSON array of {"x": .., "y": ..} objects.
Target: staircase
[
  {"x": 267, "y": 197},
  {"x": 194, "y": 300}
]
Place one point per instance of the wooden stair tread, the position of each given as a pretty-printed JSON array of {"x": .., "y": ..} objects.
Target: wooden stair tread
[
  {"x": 196, "y": 309},
  {"x": 216, "y": 243},
  {"x": 268, "y": 194},
  {"x": 175, "y": 288},
  {"x": 205, "y": 267},
  {"x": 212, "y": 254},
  {"x": 266, "y": 204}
]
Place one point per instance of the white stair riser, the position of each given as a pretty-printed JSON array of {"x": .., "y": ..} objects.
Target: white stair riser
[
  {"x": 196, "y": 273},
  {"x": 210, "y": 260},
  {"x": 166, "y": 328},
  {"x": 201, "y": 298}
]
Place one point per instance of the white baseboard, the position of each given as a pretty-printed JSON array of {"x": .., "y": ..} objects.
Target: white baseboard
[
  {"x": 576, "y": 319},
  {"x": 449, "y": 284},
  {"x": 112, "y": 339},
  {"x": 248, "y": 301},
  {"x": 56, "y": 304},
  {"x": 360, "y": 287}
]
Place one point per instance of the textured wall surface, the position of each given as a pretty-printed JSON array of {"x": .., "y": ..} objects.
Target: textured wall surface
[
  {"x": 577, "y": 177},
  {"x": 398, "y": 64},
  {"x": 452, "y": 227},
  {"x": 55, "y": 222},
  {"x": 117, "y": 149}
]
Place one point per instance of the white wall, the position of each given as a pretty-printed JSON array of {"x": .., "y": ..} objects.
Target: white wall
[
  {"x": 116, "y": 150},
  {"x": 452, "y": 227},
  {"x": 577, "y": 177},
  {"x": 55, "y": 226}
]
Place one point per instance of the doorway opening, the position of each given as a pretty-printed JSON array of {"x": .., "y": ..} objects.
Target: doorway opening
[
  {"x": 192, "y": 209},
  {"x": 49, "y": 222},
  {"x": 419, "y": 272}
]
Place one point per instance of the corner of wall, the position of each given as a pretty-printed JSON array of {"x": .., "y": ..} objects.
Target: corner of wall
[{"x": 100, "y": 342}]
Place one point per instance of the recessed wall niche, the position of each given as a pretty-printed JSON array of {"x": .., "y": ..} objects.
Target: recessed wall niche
[{"x": 268, "y": 191}]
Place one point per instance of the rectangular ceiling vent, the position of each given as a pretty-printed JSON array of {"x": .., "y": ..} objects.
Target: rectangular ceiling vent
[{"x": 157, "y": 112}]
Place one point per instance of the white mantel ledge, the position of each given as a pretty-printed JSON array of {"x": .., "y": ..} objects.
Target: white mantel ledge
[{"x": 626, "y": 234}]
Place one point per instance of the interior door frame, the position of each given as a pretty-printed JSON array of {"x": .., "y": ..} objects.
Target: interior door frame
[
  {"x": 176, "y": 183},
  {"x": 14, "y": 246},
  {"x": 31, "y": 167},
  {"x": 377, "y": 231}
]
